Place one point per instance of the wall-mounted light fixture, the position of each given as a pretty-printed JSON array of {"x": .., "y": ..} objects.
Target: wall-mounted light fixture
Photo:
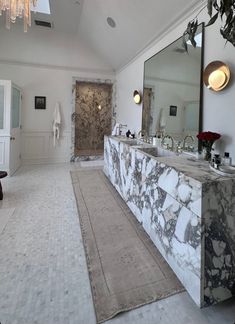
[
  {"x": 216, "y": 75},
  {"x": 137, "y": 97}
]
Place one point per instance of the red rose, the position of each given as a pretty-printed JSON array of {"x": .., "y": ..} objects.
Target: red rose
[{"x": 208, "y": 136}]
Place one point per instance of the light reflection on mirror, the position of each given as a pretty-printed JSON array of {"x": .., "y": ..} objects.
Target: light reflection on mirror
[{"x": 171, "y": 96}]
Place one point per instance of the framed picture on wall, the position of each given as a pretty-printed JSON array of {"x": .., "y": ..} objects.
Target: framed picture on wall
[
  {"x": 173, "y": 110},
  {"x": 40, "y": 103}
]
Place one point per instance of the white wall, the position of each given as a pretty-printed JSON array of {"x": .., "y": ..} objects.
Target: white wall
[
  {"x": 219, "y": 108},
  {"x": 46, "y": 69}
]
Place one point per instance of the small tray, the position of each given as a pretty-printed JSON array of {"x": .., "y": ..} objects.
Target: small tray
[
  {"x": 230, "y": 170},
  {"x": 227, "y": 168}
]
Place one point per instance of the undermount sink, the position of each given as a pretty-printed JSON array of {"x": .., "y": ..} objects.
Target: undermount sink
[
  {"x": 157, "y": 151},
  {"x": 130, "y": 141}
]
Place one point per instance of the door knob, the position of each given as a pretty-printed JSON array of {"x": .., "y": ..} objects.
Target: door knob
[{"x": 12, "y": 138}]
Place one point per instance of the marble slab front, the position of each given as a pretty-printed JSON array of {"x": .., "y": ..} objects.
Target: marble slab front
[{"x": 182, "y": 206}]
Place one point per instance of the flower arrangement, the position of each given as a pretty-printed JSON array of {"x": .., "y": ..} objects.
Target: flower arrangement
[{"x": 207, "y": 139}]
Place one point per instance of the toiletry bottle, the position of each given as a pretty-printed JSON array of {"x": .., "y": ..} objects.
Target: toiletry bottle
[
  {"x": 226, "y": 160},
  {"x": 155, "y": 140},
  {"x": 158, "y": 140}
]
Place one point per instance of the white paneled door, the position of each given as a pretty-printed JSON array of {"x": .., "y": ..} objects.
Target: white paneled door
[{"x": 10, "y": 129}]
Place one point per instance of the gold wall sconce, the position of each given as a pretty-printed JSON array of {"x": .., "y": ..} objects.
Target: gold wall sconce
[
  {"x": 216, "y": 75},
  {"x": 137, "y": 97}
]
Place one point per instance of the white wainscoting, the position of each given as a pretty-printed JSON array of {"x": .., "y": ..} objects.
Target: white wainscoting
[
  {"x": 4, "y": 152},
  {"x": 37, "y": 147}
]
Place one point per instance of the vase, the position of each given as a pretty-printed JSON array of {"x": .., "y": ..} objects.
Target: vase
[{"x": 207, "y": 153}]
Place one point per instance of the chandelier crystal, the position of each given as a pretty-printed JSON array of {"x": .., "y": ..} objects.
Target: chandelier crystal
[{"x": 17, "y": 8}]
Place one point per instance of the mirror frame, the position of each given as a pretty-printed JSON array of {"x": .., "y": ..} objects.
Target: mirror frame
[{"x": 201, "y": 87}]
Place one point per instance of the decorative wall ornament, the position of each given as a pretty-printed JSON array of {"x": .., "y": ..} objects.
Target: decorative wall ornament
[
  {"x": 173, "y": 111},
  {"x": 216, "y": 75},
  {"x": 40, "y": 102}
]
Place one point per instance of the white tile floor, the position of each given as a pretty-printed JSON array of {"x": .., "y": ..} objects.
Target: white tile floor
[{"x": 43, "y": 274}]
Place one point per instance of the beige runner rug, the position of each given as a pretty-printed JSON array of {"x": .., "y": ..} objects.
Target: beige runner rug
[{"x": 125, "y": 268}]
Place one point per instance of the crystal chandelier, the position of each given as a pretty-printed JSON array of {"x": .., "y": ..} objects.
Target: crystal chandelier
[{"x": 17, "y": 8}]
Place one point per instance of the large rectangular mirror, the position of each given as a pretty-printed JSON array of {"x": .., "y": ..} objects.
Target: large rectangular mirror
[{"x": 172, "y": 94}]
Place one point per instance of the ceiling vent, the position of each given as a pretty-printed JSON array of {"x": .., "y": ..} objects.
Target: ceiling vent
[{"x": 43, "y": 23}]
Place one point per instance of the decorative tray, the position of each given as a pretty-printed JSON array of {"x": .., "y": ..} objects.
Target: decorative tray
[{"x": 224, "y": 170}]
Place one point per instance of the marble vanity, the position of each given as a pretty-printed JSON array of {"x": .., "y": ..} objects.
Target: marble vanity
[{"x": 187, "y": 210}]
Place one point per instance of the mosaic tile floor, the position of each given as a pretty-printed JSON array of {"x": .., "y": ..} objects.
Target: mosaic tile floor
[{"x": 43, "y": 274}]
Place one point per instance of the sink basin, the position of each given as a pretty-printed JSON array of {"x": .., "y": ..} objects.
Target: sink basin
[
  {"x": 157, "y": 151},
  {"x": 130, "y": 141}
]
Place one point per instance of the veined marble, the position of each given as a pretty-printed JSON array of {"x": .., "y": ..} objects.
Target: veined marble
[{"x": 188, "y": 212}]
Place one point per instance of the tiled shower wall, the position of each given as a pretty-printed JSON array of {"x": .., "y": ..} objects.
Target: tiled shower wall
[{"x": 93, "y": 110}]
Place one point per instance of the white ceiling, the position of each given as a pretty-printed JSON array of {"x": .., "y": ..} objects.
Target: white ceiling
[{"x": 137, "y": 23}]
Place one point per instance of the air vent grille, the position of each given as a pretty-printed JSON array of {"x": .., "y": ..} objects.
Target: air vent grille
[{"x": 42, "y": 23}]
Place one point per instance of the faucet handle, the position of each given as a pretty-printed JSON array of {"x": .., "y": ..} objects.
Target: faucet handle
[{"x": 178, "y": 147}]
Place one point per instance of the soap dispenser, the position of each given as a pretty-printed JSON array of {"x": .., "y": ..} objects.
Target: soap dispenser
[{"x": 226, "y": 160}]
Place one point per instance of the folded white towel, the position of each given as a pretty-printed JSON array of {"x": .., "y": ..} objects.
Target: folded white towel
[{"x": 56, "y": 123}]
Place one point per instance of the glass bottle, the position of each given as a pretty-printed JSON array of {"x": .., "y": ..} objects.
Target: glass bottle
[{"x": 226, "y": 160}]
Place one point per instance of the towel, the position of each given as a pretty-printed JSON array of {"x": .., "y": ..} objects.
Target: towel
[
  {"x": 116, "y": 127},
  {"x": 56, "y": 123}
]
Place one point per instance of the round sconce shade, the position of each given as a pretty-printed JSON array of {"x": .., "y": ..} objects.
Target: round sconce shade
[
  {"x": 216, "y": 75},
  {"x": 137, "y": 97}
]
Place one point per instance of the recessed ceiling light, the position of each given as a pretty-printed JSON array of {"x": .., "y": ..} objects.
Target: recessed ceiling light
[{"x": 111, "y": 22}]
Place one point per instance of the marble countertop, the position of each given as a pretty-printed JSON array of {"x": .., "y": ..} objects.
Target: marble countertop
[{"x": 190, "y": 166}]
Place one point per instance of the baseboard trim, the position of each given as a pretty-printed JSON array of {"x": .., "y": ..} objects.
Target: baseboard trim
[{"x": 45, "y": 161}]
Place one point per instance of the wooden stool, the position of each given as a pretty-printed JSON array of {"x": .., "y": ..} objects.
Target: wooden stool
[{"x": 3, "y": 174}]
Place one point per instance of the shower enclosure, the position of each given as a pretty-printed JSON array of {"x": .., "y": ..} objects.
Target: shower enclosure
[{"x": 92, "y": 117}]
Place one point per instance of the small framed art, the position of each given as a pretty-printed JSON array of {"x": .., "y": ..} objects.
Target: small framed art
[
  {"x": 173, "y": 110},
  {"x": 40, "y": 103}
]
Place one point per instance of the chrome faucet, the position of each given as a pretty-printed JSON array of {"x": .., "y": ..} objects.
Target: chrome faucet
[
  {"x": 172, "y": 142},
  {"x": 141, "y": 134},
  {"x": 113, "y": 121},
  {"x": 119, "y": 129},
  {"x": 184, "y": 141}
]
